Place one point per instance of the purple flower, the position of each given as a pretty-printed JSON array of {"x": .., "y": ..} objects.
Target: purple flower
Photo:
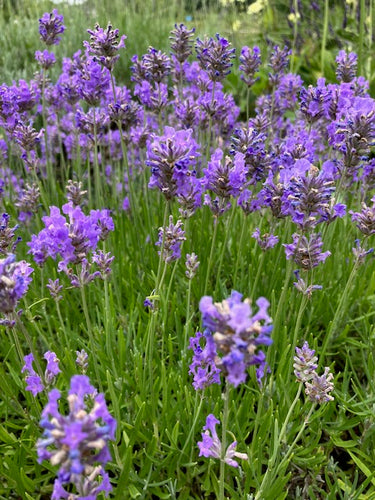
[
  {"x": 214, "y": 56},
  {"x": 81, "y": 360},
  {"x": 45, "y": 59},
  {"x": 318, "y": 388},
  {"x": 28, "y": 201},
  {"x": 78, "y": 442},
  {"x": 75, "y": 193},
  {"x": 14, "y": 282},
  {"x": 306, "y": 252},
  {"x": 171, "y": 157},
  {"x": 365, "y": 219},
  {"x": 103, "y": 261},
  {"x": 279, "y": 61},
  {"x": 156, "y": 65},
  {"x": 346, "y": 66},
  {"x": 302, "y": 286},
  {"x": 52, "y": 369},
  {"x": 225, "y": 177},
  {"x": 104, "y": 45},
  {"x": 33, "y": 381},
  {"x": 8, "y": 242},
  {"x": 203, "y": 366},
  {"x": 359, "y": 252},
  {"x": 249, "y": 64},
  {"x": 304, "y": 363},
  {"x": 71, "y": 235},
  {"x": 237, "y": 333},
  {"x": 50, "y": 26},
  {"x": 181, "y": 42},
  {"x": 211, "y": 446},
  {"x": 170, "y": 240},
  {"x": 265, "y": 241},
  {"x": 192, "y": 265},
  {"x": 54, "y": 288}
]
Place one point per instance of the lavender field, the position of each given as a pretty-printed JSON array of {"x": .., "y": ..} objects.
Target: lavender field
[{"x": 187, "y": 222}]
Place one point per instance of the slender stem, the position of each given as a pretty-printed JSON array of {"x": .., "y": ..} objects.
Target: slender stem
[
  {"x": 197, "y": 411},
  {"x": 224, "y": 442},
  {"x": 239, "y": 253},
  {"x": 210, "y": 259},
  {"x": 229, "y": 224},
  {"x": 62, "y": 324},
  {"x": 91, "y": 337},
  {"x": 187, "y": 321},
  {"x": 339, "y": 312},
  {"x": 247, "y": 104},
  {"x": 273, "y": 458},
  {"x": 361, "y": 42},
  {"x": 291, "y": 447},
  {"x": 324, "y": 38},
  {"x": 295, "y": 32},
  {"x": 98, "y": 183}
]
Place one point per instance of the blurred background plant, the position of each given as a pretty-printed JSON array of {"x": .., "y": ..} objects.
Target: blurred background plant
[{"x": 314, "y": 30}]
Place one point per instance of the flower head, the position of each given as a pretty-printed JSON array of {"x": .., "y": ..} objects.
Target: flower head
[
  {"x": 211, "y": 446},
  {"x": 50, "y": 26},
  {"x": 104, "y": 45},
  {"x": 78, "y": 441},
  {"x": 237, "y": 333},
  {"x": 170, "y": 240},
  {"x": 214, "y": 56},
  {"x": 14, "y": 282}
]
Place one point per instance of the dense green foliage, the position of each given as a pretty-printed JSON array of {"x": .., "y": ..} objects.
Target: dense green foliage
[{"x": 139, "y": 357}]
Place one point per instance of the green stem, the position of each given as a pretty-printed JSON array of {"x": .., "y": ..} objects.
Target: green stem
[
  {"x": 273, "y": 458},
  {"x": 229, "y": 225},
  {"x": 224, "y": 442},
  {"x": 197, "y": 412},
  {"x": 91, "y": 337},
  {"x": 187, "y": 323},
  {"x": 98, "y": 182},
  {"x": 324, "y": 38},
  {"x": 210, "y": 259},
  {"x": 239, "y": 253},
  {"x": 339, "y": 312},
  {"x": 361, "y": 41}
]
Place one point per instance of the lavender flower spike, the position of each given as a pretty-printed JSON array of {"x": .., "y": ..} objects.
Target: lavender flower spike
[
  {"x": 306, "y": 252},
  {"x": 104, "y": 45},
  {"x": 237, "y": 333},
  {"x": 50, "y": 26},
  {"x": 211, "y": 446},
  {"x": 319, "y": 388},
  {"x": 304, "y": 363},
  {"x": 170, "y": 240},
  {"x": 77, "y": 442},
  {"x": 34, "y": 383}
]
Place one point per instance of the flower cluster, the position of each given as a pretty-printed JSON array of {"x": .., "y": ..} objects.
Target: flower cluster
[
  {"x": 78, "y": 441},
  {"x": 214, "y": 56},
  {"x": 170, "y": 240},
  {"x": 317, "y": 388},
  {"x": 71, "y": 234},
  {"x": 34, "y": 382},
  {"x": 233, "y": 338},
  {"x": 14, "y": 281},
  {"x": 50, "y": 26},
  {"x": 104, "y": 45}
]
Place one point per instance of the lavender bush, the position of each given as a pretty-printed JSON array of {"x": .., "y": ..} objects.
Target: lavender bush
[{"x": 182, "y": 258}]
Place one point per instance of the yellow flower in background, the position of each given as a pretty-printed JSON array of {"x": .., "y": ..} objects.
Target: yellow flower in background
[
  {"x": 236, "y": 25},
  {"x": 256, "y": 7},
  {"x": 293, "y": 18}
]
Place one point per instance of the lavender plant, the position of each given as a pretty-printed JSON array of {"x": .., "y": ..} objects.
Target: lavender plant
[{"x": 292, "y": 175}]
